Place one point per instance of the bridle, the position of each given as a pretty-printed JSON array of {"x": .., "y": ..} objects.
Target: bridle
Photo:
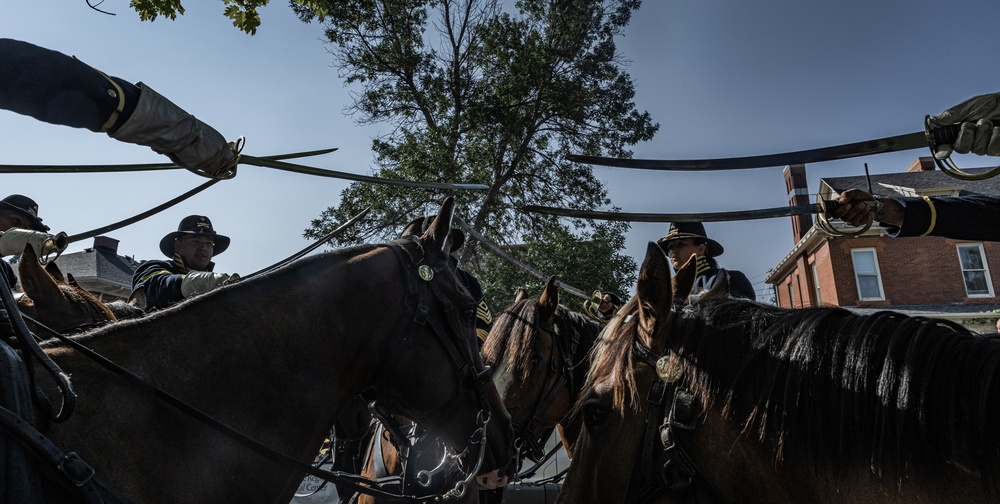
[
  {"x": 420, "y": 288},
  {"x": 670, "y": 424},
  {"x": 562, "y": 361},
  {"x": 418, "y": 292}
]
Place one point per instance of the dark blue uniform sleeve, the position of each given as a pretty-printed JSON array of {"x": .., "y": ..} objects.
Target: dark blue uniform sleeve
[
  {"x": 53, "y": 87},
  {"x": 740, "y": 286},
  {"x": 968, "y": 217},
  {"x": 160, "y": 283}
]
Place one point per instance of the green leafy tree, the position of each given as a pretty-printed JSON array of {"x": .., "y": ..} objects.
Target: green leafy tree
[{"x": 495, "y": 94}]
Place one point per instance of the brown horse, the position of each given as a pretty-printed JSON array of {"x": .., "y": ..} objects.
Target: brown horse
[
  {"x": 59, "y": 303},
  {"x": 390, "y": 319},
  {"x": 730, "y": 401},
  {"x": 538, "y": 350}
]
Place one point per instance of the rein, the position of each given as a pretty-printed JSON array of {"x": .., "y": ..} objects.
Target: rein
[
  {"x": 565, "y": 351},
  {"x": 351, "y": 482},
  {"x": 674, "y": 429}
]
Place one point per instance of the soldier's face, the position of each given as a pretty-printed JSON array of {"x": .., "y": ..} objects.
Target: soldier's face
[
  {"x": 11, "y": 219},
  {"x": 197, "y": 251},
  {"x": 681, "y": 250}
]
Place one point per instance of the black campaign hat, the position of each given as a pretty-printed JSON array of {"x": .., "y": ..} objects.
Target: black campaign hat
[
  {"x": 24, "y": 206},
  {"x": 695, "y": 231},
  {"x": 194, "y": 225},
  {"x": 615, "y": 298}
]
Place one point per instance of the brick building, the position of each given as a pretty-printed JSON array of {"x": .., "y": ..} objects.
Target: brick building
[{"x": 929, "y": 276}]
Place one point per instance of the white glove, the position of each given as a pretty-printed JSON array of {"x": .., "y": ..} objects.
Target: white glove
[
  {"x": 13, "y": 241},
  {"x": 977, "y": 133},
  {"x": 198, "y": 282},
  {"x": 167, "y": 129}
]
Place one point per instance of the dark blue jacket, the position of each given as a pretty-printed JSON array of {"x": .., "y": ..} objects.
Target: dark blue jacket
[
  {"x": 161, "y": 281},
  {"x": 739, "y": 285}
]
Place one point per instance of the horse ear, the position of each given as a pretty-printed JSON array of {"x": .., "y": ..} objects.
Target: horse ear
[
  {"x": 683, "y": 281},
  {"x": 653, "y": 297},
  {"x": 414, "y": 228},
  {"x": 54, "y": 272},
  {"x": 521, "y": 294},
  {"x": 35, "y": 281},
  {"x": 437, "y": 232},
  {"x": 70, "y": 280},
  {"x": 548, "y": 302}
]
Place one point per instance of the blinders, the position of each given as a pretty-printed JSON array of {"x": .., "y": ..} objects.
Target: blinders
[{"x": 673, "y": 427}]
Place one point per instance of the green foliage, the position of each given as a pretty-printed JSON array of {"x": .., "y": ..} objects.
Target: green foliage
[
  {"x": 480, "y": 92},
  {"x": 243, "y": 12}
]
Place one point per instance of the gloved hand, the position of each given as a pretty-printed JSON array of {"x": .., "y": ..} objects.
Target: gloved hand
[
  {"x": 977, "y": 133},
  {"x": 167, "y": 129},
  {"x": 198, "y": 282},
  {"x": 13, "y": 241}
]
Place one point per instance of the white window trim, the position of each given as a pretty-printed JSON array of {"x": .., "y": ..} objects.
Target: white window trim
[
  {"x": 878, "y": 274},
  {"x": 986, "y": 269},
  {"x": 814, "y": 273}
]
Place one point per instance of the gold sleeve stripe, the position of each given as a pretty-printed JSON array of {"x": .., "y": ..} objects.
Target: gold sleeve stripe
[
  {"x": 483, "y": 312},
  {"x": 933, "y": 216},
  {"x": 482, "y": 334},
  {"x": 153, "y": 273}
]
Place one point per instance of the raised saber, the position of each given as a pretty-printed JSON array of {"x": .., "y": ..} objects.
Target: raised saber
[
  {"x": 930, "y": 137},
  {"x": 827, "y": 207},
  {"x": 113, "y": 168}
]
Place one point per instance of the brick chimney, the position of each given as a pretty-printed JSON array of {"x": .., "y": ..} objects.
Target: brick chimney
[
  {"x": 103, "y": 242},
  {"x": 921, "y": 164},
  {"x": 798, "y": 194}
]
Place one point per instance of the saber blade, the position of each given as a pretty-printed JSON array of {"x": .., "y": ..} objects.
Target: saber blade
[
  {"x": 739, "y": 215},
  {"x": 945, "y": 135}
]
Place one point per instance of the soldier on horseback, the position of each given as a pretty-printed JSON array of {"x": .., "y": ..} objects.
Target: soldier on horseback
[
  {"x": 686, "y": 239},
  {"x": 159, "y": 284}
]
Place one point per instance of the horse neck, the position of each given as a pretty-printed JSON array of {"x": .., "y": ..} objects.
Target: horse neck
[{"x": 277, "y": 373}]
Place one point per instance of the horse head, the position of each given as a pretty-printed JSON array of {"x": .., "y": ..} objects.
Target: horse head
[
  {"x": 539, "y": 349},
  {"x": 456, "y": 406},
  {"x": 59, "y": 303},
  {"x": 611, "y": 406}
]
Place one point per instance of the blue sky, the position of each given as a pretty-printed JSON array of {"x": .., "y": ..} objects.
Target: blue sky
[{"x": 723, "y": 78}]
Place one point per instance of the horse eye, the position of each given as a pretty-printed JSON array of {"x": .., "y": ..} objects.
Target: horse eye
[{"x": 595, "y": 415}]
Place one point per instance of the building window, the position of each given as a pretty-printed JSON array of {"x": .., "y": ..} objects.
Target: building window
[
  {"x": 866, "y": 273},
  {"x": 975, "y": 272},
  {"x": 815, "y": 279},
  {"x": 791, "y": 296}
]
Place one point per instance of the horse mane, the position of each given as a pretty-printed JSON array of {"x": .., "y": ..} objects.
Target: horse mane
[
  {"x": 512, "y": 336},
  {"x": 896, "y": 391}
]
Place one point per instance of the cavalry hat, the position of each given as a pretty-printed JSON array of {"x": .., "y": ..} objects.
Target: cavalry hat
[
  {"x": 194, "y": 225},
  {"x": 25, "y": 206},
  {"x": 615, "y": 299},
  {"x": 694, "y": 230}
]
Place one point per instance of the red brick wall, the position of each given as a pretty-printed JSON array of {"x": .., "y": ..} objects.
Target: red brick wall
[{"x": 913, "y": 271}]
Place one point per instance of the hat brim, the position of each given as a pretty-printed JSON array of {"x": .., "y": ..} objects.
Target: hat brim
[
  {"x": 167, "y": 243},
  {"x": 36, "y": 223},
  {"x": 712, "y": 247}
]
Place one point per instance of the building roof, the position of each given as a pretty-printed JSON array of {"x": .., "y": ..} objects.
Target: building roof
[
  {"x": 935, "y": 179},
  {"x": 98, "y": 263}
]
